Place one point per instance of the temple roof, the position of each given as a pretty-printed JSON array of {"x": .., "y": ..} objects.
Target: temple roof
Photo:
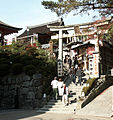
[
  {"x": 39, "y": 29},
  {"x": 8, "y": 29}
]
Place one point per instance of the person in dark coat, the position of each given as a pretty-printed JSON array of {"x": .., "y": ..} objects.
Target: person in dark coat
[
  {"x": 79, "y": 74},
  {"x": 75, "y": 63},
  {"x": 72, "y": 74},
  {"x": 69, "y": 62}
]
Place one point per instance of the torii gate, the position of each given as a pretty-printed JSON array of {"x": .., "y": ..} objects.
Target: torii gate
[
  {"x": 96, "y": 53},
  {"x": 60, "y": 29}
]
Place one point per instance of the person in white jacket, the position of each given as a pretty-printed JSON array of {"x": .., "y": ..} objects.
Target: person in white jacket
[
  {"x": 54, "y": 84},
  {"x": 65, "y": 99},
  {"x": 60, "y": 87}
]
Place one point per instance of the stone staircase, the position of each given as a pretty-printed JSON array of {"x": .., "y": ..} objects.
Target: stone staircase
[{"x": 56, "y": 106}]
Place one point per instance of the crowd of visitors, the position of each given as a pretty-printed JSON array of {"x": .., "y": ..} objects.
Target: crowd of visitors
[
  {"x": 75, "y": 70},
  {"x": 60, "y": 91}
]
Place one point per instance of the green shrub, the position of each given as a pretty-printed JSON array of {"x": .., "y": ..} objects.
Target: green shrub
[
  {"x": 4, "y": 61},
  {"x": 15, "y": 58},
  {"x": 26, "y": 60},
  {"x": 4, "y": 69},
  {"x": 85, "y": 90},
  {"x": 35, "y": 62},
  {"x": 90, "y": 86},
  {"x": 16, "y": 68},
  {"x": 30, "y": 51},
  {"x": 90, "y": 81},
  {"x": 29, "y": 69}
]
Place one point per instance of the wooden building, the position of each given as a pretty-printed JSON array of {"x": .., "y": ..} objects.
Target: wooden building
[
  {"x": 94, "y": 53},
  {"x": 39, "y": 34},
  {"x": 6, "y": 29}
]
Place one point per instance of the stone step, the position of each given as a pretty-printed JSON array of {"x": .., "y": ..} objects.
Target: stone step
[
  {"x": 63, "y": 112},
  {"x": 79, "y": 88},
  {"x": 56, "y": 106},
  {"x": 55, "y": 100},
  {"x": 57, "y": 109},
  {"x": 52, "y": 103},
  {"x": 53, "y": 106},
  {"x": 60, "y": 105},
  {"x": 76, "y": 86},
  {"x": 71, "y": 103},
  {"x": 74, "y": 89},
  {"x": 62, "y": 108}
]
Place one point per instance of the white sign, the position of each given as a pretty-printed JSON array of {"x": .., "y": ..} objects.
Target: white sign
[
  {"x": 60, "y": 68},
  {"x": 96, "y": 65}
]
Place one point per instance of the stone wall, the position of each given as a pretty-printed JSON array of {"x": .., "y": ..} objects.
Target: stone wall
[{"x": 21, "y": 91}]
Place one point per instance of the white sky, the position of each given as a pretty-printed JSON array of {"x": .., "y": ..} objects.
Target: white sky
[{"x": 23, "y": 13}]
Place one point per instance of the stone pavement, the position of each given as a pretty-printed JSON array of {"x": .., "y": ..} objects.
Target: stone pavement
[
  {"x": 33, "y": 115},
  {"x": 100, "y": 106}
]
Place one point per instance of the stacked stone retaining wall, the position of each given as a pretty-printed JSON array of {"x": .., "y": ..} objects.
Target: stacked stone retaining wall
[{"x": 21, "y": 91}]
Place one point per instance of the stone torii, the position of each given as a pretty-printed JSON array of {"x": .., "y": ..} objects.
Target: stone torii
[
  {"x": 60, "y": 36},
  {"x": 60, "y": 29}
]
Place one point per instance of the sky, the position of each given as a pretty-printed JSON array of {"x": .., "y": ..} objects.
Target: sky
[{"x": 23, "y": 13}]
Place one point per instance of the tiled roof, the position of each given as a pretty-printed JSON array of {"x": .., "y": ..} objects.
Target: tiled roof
[
  {"x": 8, "y": 29},
  {"x": 4, "y": 24},
  {"x": 40, "y": 29}
]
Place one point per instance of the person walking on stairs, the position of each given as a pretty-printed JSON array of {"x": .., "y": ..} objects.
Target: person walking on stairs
[
  {"x": 65, "y": 98},
  {"x": 79, "y": 74},
  {"x": 60, "y": 88},
  {"x": 54, "y": 84},
  {"x": 72, "y": 75}
]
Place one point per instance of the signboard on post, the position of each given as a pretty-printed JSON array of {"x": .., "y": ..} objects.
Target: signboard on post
[
  {"x": 60, "y": 68},
  {"x": 96, "y": 65}
]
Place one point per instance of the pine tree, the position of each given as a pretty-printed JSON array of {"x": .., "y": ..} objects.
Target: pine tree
[{"x": 61, "y": 7}]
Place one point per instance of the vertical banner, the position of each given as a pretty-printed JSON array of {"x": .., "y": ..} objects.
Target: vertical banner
[
  {"x": 60, "y": 68},
  {"x": 96, "y": 65}
]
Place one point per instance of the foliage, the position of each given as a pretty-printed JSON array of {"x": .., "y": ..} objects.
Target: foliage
[
  {"x": 30, "y": 51},
  {"x": 4, "y": 69},
  {"x": 85, "y": 90},
  {"x": 16, "y": 68},
  {"x": 90, "y": 84},
  {"x": 29, "y": 69},
  {"x": 90, "y": 81},
  {"x": 42, "y": 52},
  {"x": 109, "y": 36},
  {"x": 4, "y": 60},
  {"x": 17, "y": 47},
  {"x": 55, "y": 41},
  {"x": 23, "y": 58},
  {"x": 61, "y": 7}
]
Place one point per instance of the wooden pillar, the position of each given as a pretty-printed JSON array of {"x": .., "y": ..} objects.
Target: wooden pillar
[
  {"x": 15, "y": 38},
  {"x": 31, "y": 41},
  {"x": 51, "y": 47}
]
